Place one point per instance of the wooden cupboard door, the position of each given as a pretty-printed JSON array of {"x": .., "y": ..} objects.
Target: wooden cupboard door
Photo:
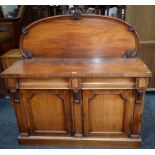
[
  {"x": 48, "y": 112},
  {"x": 108, "y": 113}
]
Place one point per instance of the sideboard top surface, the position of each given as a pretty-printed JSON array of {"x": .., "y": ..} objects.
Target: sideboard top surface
[
  {"x": 92, "y": 36},
  {"x": 49, "y": 68}
]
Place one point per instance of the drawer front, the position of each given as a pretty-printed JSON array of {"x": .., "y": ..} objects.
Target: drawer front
[
  {"x": 108, "y": 83},
  {"x": 91, "y": 83},
  {"x": 43, "y": 84}
]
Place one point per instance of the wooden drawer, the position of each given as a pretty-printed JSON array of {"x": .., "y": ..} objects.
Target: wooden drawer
[
  {"x": 108, "y": 83},
  {"x": 43, "y": 84},
  {"x": 96, "y": 83}
]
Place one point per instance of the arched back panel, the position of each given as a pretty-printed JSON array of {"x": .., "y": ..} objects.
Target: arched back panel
[{"x": 89, "y": 37}]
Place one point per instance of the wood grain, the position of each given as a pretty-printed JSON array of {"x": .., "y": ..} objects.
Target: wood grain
[
  {"x": 107, "y": 113},
  {"x": 49, "y": 68},
  {"x": 71, "y": 141},
  {"x": 65, "y": 95},
  {"x": 92, "y": 36},
  {"x": 48, "y": 112},
  {"x": 85, "y": 83}
]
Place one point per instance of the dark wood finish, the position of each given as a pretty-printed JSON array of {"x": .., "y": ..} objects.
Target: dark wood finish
[
  {"x": 6, "y": 43},
  {"x": 74, "y": 101},
  {"x": 33, "y": 13},
  {"x": 9, "y": 39},
  {"x": 14, "y": 26},
  {"x": 3, "y": 91},
  {"x": 89, "y": 37},
  {"x": 1, "y": 13},
  {"x": 5, "y": 40}
]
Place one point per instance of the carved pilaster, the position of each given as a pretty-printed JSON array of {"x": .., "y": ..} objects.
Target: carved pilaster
[
  {"x": 76, "y": 96},
  {"x": 75, "y": 87},
  {"x": 75, "y": 83},
  {"x": 139, "y": 95},
  {"x": 12, "y": 86},
  {"x": 141, "y": 85}
]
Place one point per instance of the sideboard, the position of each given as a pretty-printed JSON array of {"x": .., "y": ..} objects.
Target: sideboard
[{"x": 79, "y": 83}]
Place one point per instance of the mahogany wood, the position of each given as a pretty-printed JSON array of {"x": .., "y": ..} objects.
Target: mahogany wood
[
  {"x": 89, "y": 37},
  {"x": 52, "y": 119},
  {"x": 50, "y": 68},
  {"x": 108, "y": 113},
  {"x": 65, "y": 95},
  {"x": 88, "y": 142}
]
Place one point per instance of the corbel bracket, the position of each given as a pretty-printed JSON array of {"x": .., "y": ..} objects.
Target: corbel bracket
[
  {"x": 15, "y": 95},
  {"x": 139, "y": 95},
  {"x": 76, "y": 96},
  {"x": 75, "y": 87}
]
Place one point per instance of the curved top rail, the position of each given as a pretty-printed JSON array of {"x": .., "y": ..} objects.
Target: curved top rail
[{"x": 92, "y": 36}]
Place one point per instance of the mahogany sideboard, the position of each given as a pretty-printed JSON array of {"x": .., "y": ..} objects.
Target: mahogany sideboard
[{"x": 79, "y": 83}]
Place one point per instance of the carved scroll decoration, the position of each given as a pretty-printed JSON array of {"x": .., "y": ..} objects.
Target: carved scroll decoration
[
  {"x": 26, "y": 54},
  {"x": 130, "y": 54},
  {"x": 24, "y": 31},
  {"x": 131, "y": 28},
  {"x": 75, "y": 12}
]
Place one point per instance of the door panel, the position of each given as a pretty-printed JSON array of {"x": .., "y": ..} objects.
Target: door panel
[
  {"x": 48, "y": 111},
  {"x": 107, "y": 113}
]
